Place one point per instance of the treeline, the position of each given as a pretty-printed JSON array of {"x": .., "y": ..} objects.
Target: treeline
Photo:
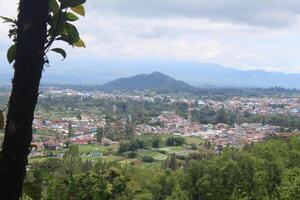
[
  {"x": 286, "y": 122},
  {"x": 217, "y": 93},
  {"x": 207, "y": 115},
  {"x": 149, "y": 142},
  {"x": 263, "y": 171}
]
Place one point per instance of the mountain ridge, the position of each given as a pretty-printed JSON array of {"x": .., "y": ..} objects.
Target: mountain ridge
[
  {"x": 154, "y": 81},
  {"x": 196, "y": 74}
]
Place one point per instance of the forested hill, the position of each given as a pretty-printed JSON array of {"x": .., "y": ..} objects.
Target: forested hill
[{"x": 153, "y": 81}]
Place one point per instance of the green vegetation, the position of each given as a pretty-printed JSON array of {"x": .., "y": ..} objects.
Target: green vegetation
[
  {"x": 207, "y": 115},
  {"x": 131, "y": 145},
  {"x": 148, "y": 159},
  {"x": 153, "y": 81},
  {"x": 262, "y": 171},
  {"x": 175, "y": 141},
  {"x": 134, "y": 149}
]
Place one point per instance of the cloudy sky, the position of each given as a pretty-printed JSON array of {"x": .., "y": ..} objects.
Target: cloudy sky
[{"x": 243, "y": 34}]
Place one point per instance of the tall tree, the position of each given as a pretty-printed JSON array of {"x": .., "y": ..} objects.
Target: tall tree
[
  {"x": 173, "y": 162},
  {"x": 29, "y": 61},
  {"x": 32, "y": 41},
  {"x": 99, "y": 134},
  {"x": 70, "y": 130},
  {"x": 128, "y": 128}
]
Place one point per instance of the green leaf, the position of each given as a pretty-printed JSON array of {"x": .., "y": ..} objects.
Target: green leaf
[
  {"x": 79, "y": 43},
  {"x": 8, "y": 20},
  {"x": 79, "y": 10},
  {"x": 62, "y": 28},
  {"x": 72, "y": 33},
  {"x": 11, "y": 53},
  {"x": 71, "y": 3},
  {"x": 53, "y": 6},
  {"x": 60, "y": 51},
  {"x": 71, "y": 17},
  {"x": 65, "y": 38}
]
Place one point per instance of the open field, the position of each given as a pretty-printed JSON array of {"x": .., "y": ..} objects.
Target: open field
[{"x": 110, "y": 153}]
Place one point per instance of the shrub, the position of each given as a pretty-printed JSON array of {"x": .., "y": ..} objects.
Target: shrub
[
  {"x": 148, "y": 159},
  {"x": 175, "y": 141}
]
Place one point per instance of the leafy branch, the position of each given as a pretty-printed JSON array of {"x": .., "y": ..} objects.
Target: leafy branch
[{"x": 61, "y": 15}]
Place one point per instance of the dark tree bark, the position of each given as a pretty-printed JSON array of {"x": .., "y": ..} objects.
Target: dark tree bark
[{"x": 31, "y": 38}]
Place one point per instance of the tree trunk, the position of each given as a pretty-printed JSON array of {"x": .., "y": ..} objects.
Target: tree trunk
[{"x": 31, "y": 38}]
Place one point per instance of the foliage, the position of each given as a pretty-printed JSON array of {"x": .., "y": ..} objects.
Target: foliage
[
  {"x": 182, "y": 109},
  {"x": 99, "y": 134},
  {"x": 131, "y": 145},
  {"x": 175, "y": 141},
  {"x": 262, "y": 171},
  {"x": 148, "y": 159},
  {"x": 60, "y": 28},
  {"x": 207, "y": 115},
  {"x": 108, "y": 185},
  {"x": 290, "y": 186},
  {"x": 156, "y": 142},
  {"x": 72, "y": 161}
]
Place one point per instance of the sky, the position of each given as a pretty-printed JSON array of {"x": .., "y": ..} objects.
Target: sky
[{"x": 242, "y": 34}]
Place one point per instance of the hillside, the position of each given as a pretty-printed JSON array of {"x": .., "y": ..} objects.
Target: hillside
[{"x": 153, "y": 81}]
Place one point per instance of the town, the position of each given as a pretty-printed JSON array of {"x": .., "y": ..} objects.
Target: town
[{"x": 82, "y": 114}]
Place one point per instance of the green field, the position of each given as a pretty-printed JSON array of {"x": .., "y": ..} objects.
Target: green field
[{"x": 110, "y": 153}]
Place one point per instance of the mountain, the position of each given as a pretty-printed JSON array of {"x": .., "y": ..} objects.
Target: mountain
[
  {"x": 100, "y": 71},
  {"x": 153, "y": 81}
]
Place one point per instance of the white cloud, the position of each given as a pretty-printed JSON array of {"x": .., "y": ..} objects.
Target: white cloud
[
  {"x": 245, "y": 34},
  {"x": 270, "y": 13},
  {"x": 182, "y": 38}
]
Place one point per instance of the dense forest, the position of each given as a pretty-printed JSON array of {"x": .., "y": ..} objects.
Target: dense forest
[{"x": 262, "y": 171}]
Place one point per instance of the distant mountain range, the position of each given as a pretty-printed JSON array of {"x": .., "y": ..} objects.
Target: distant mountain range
[
  {"x": 153, "y": 81},
  {"x": 99, "y": 72}
]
